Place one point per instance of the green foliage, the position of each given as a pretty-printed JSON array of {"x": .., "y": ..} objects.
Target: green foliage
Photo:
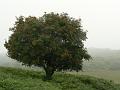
[
  {"x": 53, "y": 41},
  {"x": 18, "y": 79}
]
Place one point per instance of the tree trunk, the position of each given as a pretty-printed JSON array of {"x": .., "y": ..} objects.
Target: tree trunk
[{"x": 49, "y": 72}]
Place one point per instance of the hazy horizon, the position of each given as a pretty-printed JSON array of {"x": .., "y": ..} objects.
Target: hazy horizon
[{"x": 101, "y": 18}]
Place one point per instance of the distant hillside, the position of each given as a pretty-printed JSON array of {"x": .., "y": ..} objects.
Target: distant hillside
[
  {"x": 99, "y": 52},
  {"x": 8, "y": 62},
  {"x": 103, "y": 59},
  {"x": 18, "y": 79}
]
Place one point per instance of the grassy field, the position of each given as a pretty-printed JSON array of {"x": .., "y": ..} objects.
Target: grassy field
[
  {"x": 105, "y": 74},
  {"x": 18, "y": 79}
]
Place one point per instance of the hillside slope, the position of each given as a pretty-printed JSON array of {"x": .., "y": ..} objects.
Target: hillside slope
[
  {"x": 18, "y": 79},
  {"x": 103, "y": 59}
]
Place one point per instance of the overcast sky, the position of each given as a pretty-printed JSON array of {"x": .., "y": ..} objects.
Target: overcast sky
[{"x": 101, "y": 18}]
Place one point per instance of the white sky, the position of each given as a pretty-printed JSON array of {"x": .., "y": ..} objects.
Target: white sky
[{"x": 100, "y": 17}]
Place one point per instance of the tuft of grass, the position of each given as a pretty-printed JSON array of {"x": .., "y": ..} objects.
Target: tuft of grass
[{"x": 19, "y": 79}]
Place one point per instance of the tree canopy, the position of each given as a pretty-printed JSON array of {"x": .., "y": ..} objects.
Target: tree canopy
[{"x": 53, "y": 41}]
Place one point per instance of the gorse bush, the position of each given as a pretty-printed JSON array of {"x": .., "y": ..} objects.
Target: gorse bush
[{"x": 53, "y": 42}]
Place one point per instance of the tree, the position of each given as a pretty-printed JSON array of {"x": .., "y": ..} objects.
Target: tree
[{"x": 53, "y": 41}]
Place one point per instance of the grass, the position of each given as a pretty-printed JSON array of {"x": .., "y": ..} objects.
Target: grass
[
  {"x": 19, "y": 79},
  {"x": 113, "y": 75}
]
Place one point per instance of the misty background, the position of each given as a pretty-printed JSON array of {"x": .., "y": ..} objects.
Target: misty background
[{"x": 101, "y": 18}]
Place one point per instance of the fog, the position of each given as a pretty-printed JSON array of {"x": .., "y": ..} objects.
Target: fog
[{"x": 101, "y": 18}]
